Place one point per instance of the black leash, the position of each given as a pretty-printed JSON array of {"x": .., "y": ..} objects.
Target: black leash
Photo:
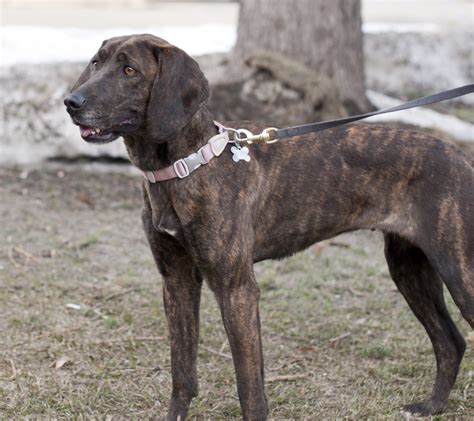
[
  {"x": 426, "y": 100},
  {"x": 271, "y": 135}
]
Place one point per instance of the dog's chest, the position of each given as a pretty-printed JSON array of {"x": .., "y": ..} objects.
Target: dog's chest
[
  {"x": 164, "y": 218},
  {"x": 166, "y": 221},
  {"x": 167, "y": 224}
]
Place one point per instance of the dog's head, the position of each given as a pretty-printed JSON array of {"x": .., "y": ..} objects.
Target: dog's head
[{"x": 138, "y": 84}]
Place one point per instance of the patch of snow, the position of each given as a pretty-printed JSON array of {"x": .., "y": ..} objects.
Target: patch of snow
[
  {"x": 53, "y": 44},
  {"x": 25, "y": 152},
  {"x": 414, "y": 64},
  {"x": 400, "y": 28}
]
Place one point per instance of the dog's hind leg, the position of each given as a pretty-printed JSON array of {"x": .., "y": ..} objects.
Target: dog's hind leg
[
  {"x": 459, "y": 279},
  {"x": 422, "y": 288},
  {"x": 451, "y": 246}
]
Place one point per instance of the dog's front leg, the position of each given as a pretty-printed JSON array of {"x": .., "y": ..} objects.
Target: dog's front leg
[
  {"x": 238, "y": 300},
  {"x": 181, "y": 294}
]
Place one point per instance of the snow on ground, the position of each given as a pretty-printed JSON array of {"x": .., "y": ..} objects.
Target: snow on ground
[{"x": 54, "y": 43}]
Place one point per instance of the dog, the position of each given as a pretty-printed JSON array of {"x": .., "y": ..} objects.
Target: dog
[{"x": 215, "y": 223}]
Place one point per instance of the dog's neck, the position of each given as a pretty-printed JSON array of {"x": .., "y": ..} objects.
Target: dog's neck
[{"x": 149, "y": 155}]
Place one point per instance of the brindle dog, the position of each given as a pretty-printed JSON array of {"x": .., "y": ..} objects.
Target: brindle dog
[{"x": 216, "y": 223}]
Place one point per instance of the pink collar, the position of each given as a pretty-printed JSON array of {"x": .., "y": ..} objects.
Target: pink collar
[{"x": 185, "y": 166}]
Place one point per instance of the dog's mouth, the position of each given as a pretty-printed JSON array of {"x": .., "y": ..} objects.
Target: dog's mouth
[
  {"x": 100, "y": 135},
  {"x": 97, "y": 135}
]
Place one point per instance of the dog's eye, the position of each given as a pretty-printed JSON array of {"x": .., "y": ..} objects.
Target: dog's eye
[
  {"x": 129, "y": 71},
  {"x": 94, "y": 63}
]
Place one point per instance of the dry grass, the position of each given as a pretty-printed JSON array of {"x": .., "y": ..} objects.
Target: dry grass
[{"x": 339, "y": 340}]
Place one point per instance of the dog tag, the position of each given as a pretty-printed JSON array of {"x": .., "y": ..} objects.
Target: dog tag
[{"x": 240, "y": 154}]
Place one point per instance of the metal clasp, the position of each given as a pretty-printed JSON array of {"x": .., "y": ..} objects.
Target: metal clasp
[{"x": 268, "y": 136}]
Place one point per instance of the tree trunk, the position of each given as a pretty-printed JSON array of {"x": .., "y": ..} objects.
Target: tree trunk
[{"x": 323, "y": 35}]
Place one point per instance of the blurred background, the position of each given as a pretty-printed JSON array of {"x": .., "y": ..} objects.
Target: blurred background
[
  {"x": 354, "y": 55},
  {"x": 83, "y": 332}
]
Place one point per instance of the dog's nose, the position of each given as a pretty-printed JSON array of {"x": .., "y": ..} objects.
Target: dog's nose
[{"x": 74, "y": 101}]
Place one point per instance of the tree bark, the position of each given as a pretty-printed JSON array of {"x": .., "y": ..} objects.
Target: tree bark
[{"x": 324, "y": 35}]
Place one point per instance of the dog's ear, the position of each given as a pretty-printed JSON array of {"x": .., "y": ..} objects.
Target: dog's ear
[{"x": 179, "y": 90}]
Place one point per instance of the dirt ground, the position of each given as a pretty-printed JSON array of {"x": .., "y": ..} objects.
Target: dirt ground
[{"x": 84, "y": 333}]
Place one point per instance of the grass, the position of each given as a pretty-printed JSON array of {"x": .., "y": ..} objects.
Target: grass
[{"x": 339, "y": 341}]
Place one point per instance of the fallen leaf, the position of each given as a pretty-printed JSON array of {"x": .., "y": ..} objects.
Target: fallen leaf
[
  {"x": 61, "y": 362},
  {"x": 87, "y": 200},
  {"x": 317, "y": 248},
  {"x": 360, "y": 321},
  {"x": 49, "y": 253},
  {"x": 289, "y": 378},
  {"x": 335, "y": 341}
]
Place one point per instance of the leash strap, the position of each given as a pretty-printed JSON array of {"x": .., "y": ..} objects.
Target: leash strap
[
  {"x": 271, "y": 134},
  {"x": 323, "y": 125}
]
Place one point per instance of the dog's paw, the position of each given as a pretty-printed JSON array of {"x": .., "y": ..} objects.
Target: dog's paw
[
  {"x": 416, "y": 410},
  {"x": 172, "y": 418}
]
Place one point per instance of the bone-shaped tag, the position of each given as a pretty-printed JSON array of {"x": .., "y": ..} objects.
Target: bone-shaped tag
[{"x": 240, "y": 154}]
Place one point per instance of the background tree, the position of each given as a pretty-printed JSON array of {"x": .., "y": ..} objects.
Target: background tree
[{"x": 325, "y": 36}]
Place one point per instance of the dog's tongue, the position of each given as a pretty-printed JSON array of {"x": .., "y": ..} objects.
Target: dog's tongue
[{"x": 85, "y": 131}]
